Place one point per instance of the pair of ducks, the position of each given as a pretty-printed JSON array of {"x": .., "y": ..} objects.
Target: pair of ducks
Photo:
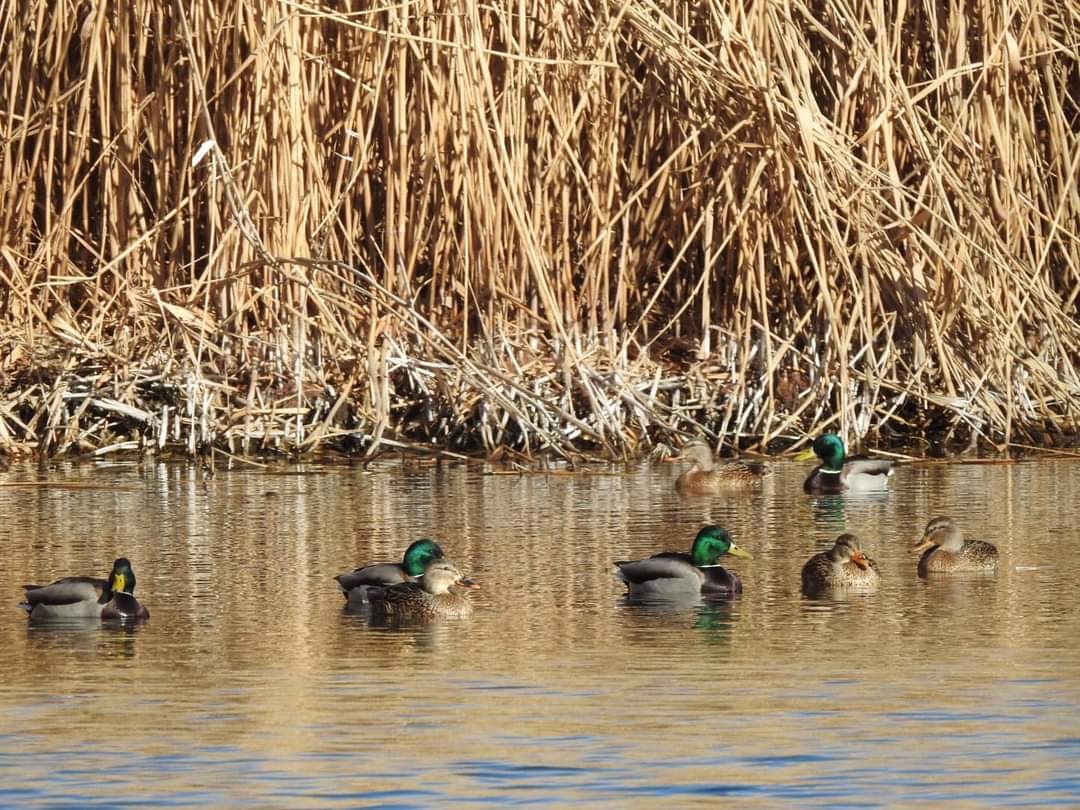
[
  {"x": 944, "y": 549},
  {"x": 943, "y": 546},
  {"x": 837, "y": 473},
  {"x": 424, "y": 585}
]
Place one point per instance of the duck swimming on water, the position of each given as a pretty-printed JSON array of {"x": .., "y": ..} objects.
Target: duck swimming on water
[
  {"x": 441, "y": 592},
  {"x": 706, "y": 477},
  {"x": 699, "y": 572},
  {"x": 842, "y": 566},
  {"x": 836, "y": 473},
  {"x": 355, "y": 584},
  {"x": 946, "y": 551},
  {"x": 87, "y": 597}
]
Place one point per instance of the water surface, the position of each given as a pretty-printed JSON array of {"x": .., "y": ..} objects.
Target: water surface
[{"x": 251, "y": 685}]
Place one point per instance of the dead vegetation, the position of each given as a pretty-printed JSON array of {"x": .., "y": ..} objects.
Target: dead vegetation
[{"x": 562, "y": 227}]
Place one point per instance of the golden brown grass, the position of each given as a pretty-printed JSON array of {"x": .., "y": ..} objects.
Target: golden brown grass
[{"x": 541, "y": 225}]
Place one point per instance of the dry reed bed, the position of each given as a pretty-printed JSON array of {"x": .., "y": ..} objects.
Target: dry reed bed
[{"x": 566, "y": 227}]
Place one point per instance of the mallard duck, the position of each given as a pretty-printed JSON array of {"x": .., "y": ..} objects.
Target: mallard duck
[
  {"x": 356, "y": 583},
  {"x": 441, "y": 592},
  {"x": 698, "y": 572},
  {"x": 839, "y": 474},
  {"x": 842, "y": 566},
  {"x": 706, "y": 478},
  {"x": 945, "y": 551},
  {"x": 87, "y": 597}
]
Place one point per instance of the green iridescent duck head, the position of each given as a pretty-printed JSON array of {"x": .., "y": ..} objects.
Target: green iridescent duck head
[
  {"x": 419, "y": 554},
  {"x": 711, "y": 544},
  {"x": 829, "y": 448}
]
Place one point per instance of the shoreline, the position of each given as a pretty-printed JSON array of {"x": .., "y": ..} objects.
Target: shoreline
[{"x": 391, "y": 401}]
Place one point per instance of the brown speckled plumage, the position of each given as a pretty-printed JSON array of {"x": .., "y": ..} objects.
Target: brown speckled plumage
[
  {"x": 842, "y": 566},
  {"x": 945, "y": 551},
  {"x": 706, "y": 477},
  {"x": 442, "y": 592}
]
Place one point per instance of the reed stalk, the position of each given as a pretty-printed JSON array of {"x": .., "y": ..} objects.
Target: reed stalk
[{"x": 570, "y": 228}]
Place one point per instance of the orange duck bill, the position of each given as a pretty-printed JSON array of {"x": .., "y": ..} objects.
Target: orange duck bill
[{"x": 924, "y": 544}]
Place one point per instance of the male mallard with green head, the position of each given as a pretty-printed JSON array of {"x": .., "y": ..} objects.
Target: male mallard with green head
[
  {"x": 699, "y": 572},
  {"x": 837, "y": 473},
  {"x": 355, "y": 584},
  {"x": 842, "y": 566},
  {"x": 441, "y": 592},
  {"x": 87, "y": 597},
  {"x": 945, "y": 551},
  {"x": 705, "y": 477}
]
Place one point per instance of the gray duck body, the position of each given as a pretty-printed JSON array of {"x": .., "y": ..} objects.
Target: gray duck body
[{"x": 87, "y": 597}]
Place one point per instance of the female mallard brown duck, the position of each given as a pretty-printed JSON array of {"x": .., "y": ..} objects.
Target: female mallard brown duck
[
  {"x": 945, "y": 551},
  {"x": 673, "y": 573},
  {"x": 705, "y": 477},
  {"x": 842, "y": 566},
  {"x": 836, "y": 473},
  {"x": 87, "y": 597},
  {"x": 441, "y": 592},
  {"x": 355, "y": 584}
]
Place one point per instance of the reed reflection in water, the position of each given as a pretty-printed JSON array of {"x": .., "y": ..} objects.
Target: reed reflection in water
[{"x": 253, "y": 684}]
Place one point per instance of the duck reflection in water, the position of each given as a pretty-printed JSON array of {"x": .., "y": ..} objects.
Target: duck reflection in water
[{"x": 57, "y": 639}]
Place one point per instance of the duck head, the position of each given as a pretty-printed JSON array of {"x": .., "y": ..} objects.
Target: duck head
[
  {"x": 847, "y": 549},
  {"x": 711, "y": 544},
  {"x": 419, "y": 554},
  {"x": 122, "y": 577},
  {"x": 699, "y": 453},
  {"x": 829, "y": 448},
  {"x": 943, "y": 533},
  {"x": 442, "y": 575}
]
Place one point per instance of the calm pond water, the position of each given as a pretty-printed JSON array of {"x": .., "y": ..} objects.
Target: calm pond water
[{"x": 251, "y": 685}]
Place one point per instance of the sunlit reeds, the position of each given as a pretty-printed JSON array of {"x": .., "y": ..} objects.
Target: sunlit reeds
[{"x": 569, "y": 226}]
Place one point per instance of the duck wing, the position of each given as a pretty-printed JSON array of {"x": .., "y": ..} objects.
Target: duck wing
[
  {"x": 66, "y": 591},
  {"x": 666, "y": 565},
  {"x": 388, "y": 596},
  {"x": 743, "y": 467},
  {"x": 979, "y": 551},
  {"x": 377, "y": 575},
  {"x": 866, "y": 465}
]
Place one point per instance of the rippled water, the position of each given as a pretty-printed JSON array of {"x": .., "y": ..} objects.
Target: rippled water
[{"x": 251, "y": 684}]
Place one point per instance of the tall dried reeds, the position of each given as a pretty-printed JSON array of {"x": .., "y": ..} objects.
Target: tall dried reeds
[{"x": 557, "y": 226}]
